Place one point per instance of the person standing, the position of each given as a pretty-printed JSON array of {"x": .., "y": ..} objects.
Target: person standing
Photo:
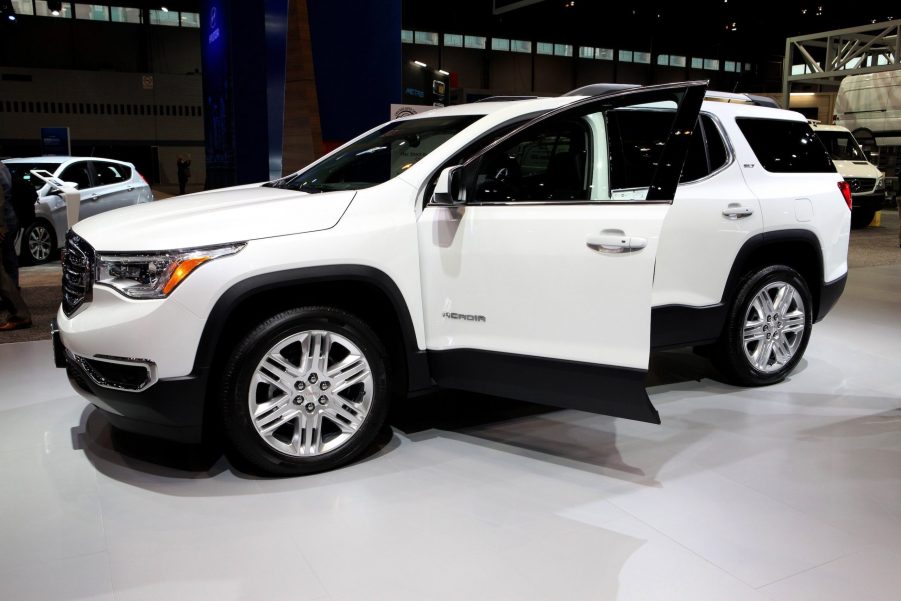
[
  {"x": 10, "y": 261},
  {"x": 184, "y": 172},
  {"x": 20, "y": 316}
]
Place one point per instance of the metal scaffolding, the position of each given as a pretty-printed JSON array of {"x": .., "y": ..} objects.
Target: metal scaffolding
[{"x": 826, "y": 58}]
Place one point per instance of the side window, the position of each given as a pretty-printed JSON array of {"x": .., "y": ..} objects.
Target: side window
[
  {"x": 544, "y": 163},
  {"x": 785, "y": 146},
  {"x": 637, "y": 138},
  {"x": 707, "y": 152},
  {"x": 77, "y": 173},
  {"x": 110, "y": 173}
]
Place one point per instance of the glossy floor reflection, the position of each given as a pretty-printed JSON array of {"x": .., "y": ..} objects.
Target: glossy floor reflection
[{"x": 792, "y": 492}]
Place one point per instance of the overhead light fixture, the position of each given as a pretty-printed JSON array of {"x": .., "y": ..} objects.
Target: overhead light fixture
[
  {"x": 443, "y": 72},
  {"x": 803, "y": 93},
  {"x": 420, "y": 63},
  {"x": 55, "y": 7},
  {"x": 11, "y": 16}
]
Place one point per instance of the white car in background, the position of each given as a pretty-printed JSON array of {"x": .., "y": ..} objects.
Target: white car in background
[
  {"x": 105, "y": 184},
  {"x": 866, "y": 181}
]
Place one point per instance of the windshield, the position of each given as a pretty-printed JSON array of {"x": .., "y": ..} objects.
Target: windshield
[
  {"x": 378, "y": 157},
  {"x": 841, "y": 146},
  {"x": 23, "y": 171}
]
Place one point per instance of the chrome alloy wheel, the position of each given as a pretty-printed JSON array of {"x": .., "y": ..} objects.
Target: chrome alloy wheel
[
  {"x": 774, "y": 327},
  {"x": 39, "y": 242},
  {"x": 311, "y": 393}
]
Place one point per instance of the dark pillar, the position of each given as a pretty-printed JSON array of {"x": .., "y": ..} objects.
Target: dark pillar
[{"x": 243, "y": 50}]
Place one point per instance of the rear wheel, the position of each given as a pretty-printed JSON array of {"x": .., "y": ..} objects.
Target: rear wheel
[
  {"x": 38, "y": 242},
  {"x": 305, "y": 391},
  {"x": 767, "y": 328}
]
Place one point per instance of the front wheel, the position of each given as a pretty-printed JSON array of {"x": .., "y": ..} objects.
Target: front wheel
[
  {"x": 38, "y": 242},
  {"x": 767, "y": 328},
  {"x": 305, "y": 391}
]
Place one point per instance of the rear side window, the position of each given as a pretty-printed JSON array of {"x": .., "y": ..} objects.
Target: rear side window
[
  {"x": 786, "y": 146},
  {"x": 111, "y": 173}
]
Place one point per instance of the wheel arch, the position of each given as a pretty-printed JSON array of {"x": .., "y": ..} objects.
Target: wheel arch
[
  {"x": 795, "y": 248},
  {"x": 368, "y": 293}
]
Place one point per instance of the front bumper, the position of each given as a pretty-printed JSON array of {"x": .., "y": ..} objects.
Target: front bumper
[{"x": 171, "y": 408}]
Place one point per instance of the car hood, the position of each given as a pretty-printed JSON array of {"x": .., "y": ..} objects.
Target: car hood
[
  {"x": 217, "y": 217},
  {"x": 856, "y": 169}
]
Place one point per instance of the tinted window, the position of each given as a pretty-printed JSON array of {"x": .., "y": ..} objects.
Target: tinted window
[
  {"x": 542, "y": 163},
  {"x": 23, "y": 171},
  {"x": 110, "y": 173},
  {"x": 786, "y": 146},
  {"x": 637, "y": 138},
  {"x": 841, "y": 145},
  {"x": 77, "y": 173},
  {"x": 716, "y": 146}
]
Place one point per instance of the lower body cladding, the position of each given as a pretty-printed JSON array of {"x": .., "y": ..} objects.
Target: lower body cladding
[{"x": 130, "y": 396}]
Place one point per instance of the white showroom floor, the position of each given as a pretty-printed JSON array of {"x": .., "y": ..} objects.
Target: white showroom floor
[{"x": 791, "y": 493}]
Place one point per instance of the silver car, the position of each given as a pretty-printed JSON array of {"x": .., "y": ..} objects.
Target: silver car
[{"x": 105, "y": 184}]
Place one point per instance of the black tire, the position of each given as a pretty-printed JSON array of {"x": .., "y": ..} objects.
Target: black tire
[
  {"x": 861, "y": 218},
  {"x": 245, "y": 445},
  {"x": 730, "y": 355},
  {"x": 38, "y": 229}
]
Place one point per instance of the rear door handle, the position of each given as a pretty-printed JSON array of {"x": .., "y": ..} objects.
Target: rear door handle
[
  {"x": 608, "y": 242},
  {"x": 737, "y": 212}
]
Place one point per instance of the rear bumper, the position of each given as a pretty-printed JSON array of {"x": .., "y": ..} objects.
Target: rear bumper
[
  {"x": 829, "y": 295},
  {"x": 172, "y": 409}
]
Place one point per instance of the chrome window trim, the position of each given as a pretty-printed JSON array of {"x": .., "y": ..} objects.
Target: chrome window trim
[{"x": 730, "y": 152}]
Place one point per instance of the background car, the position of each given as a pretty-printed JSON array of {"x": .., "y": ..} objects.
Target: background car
[
  {"x": 867, "y": 182},
  {"x": 105, "y": 184}
]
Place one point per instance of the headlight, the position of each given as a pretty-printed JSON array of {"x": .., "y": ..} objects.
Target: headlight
[
  {"x": 880, "y": 183},
  {"x": 154, "y": 275}
]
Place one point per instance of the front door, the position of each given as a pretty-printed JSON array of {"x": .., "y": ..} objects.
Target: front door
[{"x": 539, "y": 286}]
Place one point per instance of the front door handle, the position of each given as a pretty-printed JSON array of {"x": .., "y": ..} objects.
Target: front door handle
[
  {"x": 735, "y": 211},
  {"x": 615, "y": 242}
]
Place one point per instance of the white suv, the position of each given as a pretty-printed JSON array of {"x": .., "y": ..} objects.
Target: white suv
[{"x": 535, "y": 249}]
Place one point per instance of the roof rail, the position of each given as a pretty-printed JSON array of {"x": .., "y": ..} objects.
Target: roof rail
[
  {"x": 505, "y": 98},
  {"x": 741, "y": 98},
  {"x": 600, "y": 88}
]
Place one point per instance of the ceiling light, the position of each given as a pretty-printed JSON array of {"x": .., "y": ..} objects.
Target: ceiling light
[
  {"x": 420, "y": 63},
  {"x": 164, "y": 9},
  {"x": 443, "y": 72}
]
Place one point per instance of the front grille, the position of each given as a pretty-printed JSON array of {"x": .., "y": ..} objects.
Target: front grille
[
  {"x": 78, "y": 273},
  {"x": 861, "y": 184}
]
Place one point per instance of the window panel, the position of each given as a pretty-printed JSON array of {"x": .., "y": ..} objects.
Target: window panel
[
  {"x": 642, "y": 57},
  {"x": 545, "y": 48},
  {"x": 522, "y": 46},
  {"x": 119, "y": 14},
  {"x": 501, "y": 44},
  {"x": 92, "y": 12},
  {"x": 563, "y": 50},
  {"x": 586, "y": 52},
  {"x": 23, "y": 7},
  {"x": 475, "y": 41},
  {"x": 427, "y": 38},
  {"x": 785, "y": 146},
  {"x": 453, "y": 40},
  {"x": 77, "y": 173},
  {"x": 711, "y": 64},
  {"x": 168, "y": 18},
  {"x": 604, "y": 54},
  {"x": 625, "y": 56},
  {"x": 406, "y": 36},
  {"x": 41, "y": 10},
  {"x": 663, "y": 59},
  {"x": 676, "y": 61},
  {"x": 697, "y": 63},
  {"x": 190, "y": 20}
]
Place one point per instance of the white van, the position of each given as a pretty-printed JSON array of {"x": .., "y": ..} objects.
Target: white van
[
  {"x": 869, "y": 106},
  {"x": 866, "y": 181}
]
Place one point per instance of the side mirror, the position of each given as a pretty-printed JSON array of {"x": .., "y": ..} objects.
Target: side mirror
[{"x": 448, "y": 190}]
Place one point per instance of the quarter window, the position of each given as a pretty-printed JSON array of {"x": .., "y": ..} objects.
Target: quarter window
[
  {"x": 786, "y": 146},
  {"x": 110, "y": 173}
]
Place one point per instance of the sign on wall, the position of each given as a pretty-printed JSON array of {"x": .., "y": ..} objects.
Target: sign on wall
[{"x": 56, "y": 141}]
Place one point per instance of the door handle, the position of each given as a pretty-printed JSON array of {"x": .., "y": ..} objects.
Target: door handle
[
  {"x": 615, "y": 242},
  {"x": 737, "y": 212}
]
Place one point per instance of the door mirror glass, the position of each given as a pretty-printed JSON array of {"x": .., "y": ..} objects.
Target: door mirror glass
[{"x": 448, "y": 188}]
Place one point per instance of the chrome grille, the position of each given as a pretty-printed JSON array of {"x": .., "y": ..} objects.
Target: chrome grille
[
  {"x": 861, "y": 184},
  {"x": 78, "y": 274}
]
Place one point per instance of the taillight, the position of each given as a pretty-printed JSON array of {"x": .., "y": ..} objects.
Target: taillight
[
  {"x": 143, "y": 179},
  {"x": 845, "y": 187}
]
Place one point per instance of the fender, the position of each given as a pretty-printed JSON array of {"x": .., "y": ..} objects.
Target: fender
[{"x": 417, "y": 364}]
